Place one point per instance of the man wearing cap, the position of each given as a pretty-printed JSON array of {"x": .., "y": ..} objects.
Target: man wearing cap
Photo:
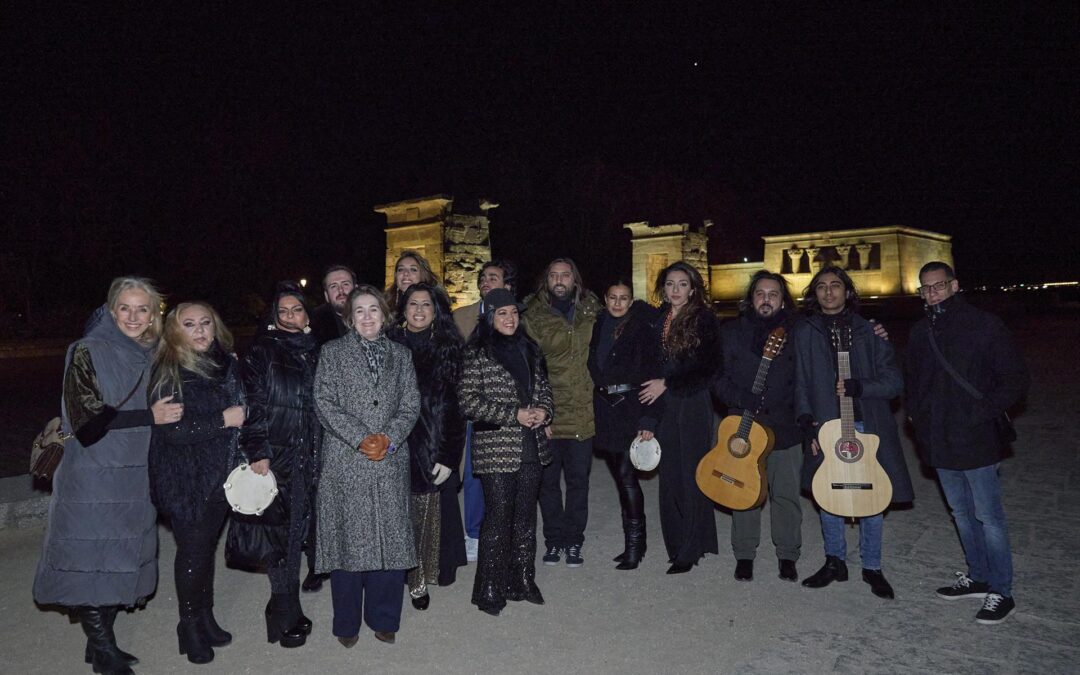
[{"x": 560, "y": 317}]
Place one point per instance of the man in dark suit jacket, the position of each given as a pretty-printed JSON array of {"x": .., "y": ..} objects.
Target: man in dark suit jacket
[
  {"x": 328, "y": 320},
  {"x": 498, "y": 273}
]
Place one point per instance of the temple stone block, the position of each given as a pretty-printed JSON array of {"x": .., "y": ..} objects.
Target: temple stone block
[
  {"x": 455, "y": 239},
  {"x": 657, "y": 246}
]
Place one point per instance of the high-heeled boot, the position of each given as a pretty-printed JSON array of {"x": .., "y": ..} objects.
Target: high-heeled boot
[
  {"x": 280, "y": 626},
  {"x": 192, "y": 641},
  {"x": 105, "y": 658},
  {"x": 626, "y": 540},
  {"x": 635, "y": 543},
  {"x": 108, "y": 614}
]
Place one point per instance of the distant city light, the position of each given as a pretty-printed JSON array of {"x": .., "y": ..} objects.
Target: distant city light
[{"x": 303, "y": 283}]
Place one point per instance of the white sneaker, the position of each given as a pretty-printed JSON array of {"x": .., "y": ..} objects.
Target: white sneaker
[{"x": 472, "y": 548}]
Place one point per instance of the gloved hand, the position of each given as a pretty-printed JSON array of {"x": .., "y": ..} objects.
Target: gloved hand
[
  {"x": 374, "y": 446},
  {"x": 441, "y": 473}
]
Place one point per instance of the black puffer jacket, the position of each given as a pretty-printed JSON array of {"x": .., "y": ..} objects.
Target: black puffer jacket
[
  {"x": 634, "y": 357},
  {"x": 439, "y": 434},
  {"x": 278, "y": 373},
  {"x": 189, "y": 460}
]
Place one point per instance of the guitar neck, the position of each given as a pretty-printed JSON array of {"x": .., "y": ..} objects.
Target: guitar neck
[
  {"x": 759, "y": 386},
  {"x": 847, "y": 407}
]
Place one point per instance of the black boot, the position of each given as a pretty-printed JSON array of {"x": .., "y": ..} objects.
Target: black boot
[
  {"x": 635, "y": 543},
  {"x": 834, "y": 569},
  {"x": 215, "y": 634},
  {"x": 280, "y": 623},
  {"x": 105, "y": 658},
  {"x": 192, "y": 641},
  {"x": 302, "y": 622},
  {"x": 108, "y": 614},
  {"x": 626, "y": 540}
]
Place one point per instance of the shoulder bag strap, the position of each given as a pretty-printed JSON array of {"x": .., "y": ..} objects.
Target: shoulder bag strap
[
  {"x": 132, "y": 392},
  {"x": 952, "y": 371}
]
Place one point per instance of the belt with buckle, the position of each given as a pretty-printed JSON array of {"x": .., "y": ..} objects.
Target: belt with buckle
[{"x": 616, "y": 389}]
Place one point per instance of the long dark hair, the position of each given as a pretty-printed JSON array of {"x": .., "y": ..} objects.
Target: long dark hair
[
  {"x": 580, "y": 292},
  {"x": 746, "y": 305},
  {"x": 810, "y": 301},
  {"x": 443, "y": 323},
  {"x": 682, "y": 336},
  {"x": 485, "y": 336}
]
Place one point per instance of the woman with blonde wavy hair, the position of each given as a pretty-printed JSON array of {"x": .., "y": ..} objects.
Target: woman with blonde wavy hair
[
  {"x": 191, "y": 458},
  {"x": 100, "y": 547},
  {"x": 410, "y": 268}
]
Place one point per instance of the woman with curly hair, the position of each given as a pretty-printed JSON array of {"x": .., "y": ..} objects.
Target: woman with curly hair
[
  {"x": 437, "y": 440},
  {"x": 190, "y": 460},
  {"x": 690, "y": 345}
]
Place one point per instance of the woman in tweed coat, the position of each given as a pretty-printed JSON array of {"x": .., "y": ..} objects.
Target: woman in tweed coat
[
  {"x": 367, "y": 401},
  {"x": 505, "y": 391}
]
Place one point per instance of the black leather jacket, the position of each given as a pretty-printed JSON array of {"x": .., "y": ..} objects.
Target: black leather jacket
[{"x": 278, "y": 373}]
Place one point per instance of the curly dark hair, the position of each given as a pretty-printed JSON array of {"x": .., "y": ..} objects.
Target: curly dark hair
[
  {"x": 509, "y": 270},
  {"x": 746, "y": 305},
  {"x": 810, "y": 301},
  {"x": 443, "y": 321},
  {"x": 681, "y": 337}
]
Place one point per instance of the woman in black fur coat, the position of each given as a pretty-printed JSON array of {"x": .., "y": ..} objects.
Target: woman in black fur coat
[
  {"x": 437, "y": 440},
  {"x": 190, "y": 459},
  {"x": 690, "y": 340},
  {"x": 624, "y": 353}
]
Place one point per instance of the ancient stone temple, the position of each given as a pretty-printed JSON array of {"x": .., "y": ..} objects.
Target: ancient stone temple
[
  {"x": 657, "y": 246},
  {"x": 882, "y": 261},
  {"x": 454, "y": 237}
]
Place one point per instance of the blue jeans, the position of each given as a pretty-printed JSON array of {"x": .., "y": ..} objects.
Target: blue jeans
[
  {"x": 974, "y": 498},
  {"x": 870, "y": 527},
  {"x": 473, "y": 491}
]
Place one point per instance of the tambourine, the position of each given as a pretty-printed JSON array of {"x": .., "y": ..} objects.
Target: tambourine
[
  {"x": 645, "y": 455},
  {"x": 248, "y": 492}
]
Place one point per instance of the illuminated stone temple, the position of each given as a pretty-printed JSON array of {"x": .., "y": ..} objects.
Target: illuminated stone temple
[{"x": 454, "y": 237}]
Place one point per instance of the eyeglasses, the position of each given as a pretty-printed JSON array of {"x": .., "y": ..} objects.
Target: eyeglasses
[{"x": 937, "y": 288}]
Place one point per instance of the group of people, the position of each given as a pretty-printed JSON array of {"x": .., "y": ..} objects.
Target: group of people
[{"x": 373, "y": 410}]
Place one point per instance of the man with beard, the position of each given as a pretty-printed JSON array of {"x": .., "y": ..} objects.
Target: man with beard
[
  {"x": 328, "y": 320},
  {"x": 560, "y": 317},
  {"x": 327, "y": 323},
  {"x": 768, "y": 305},
  {"x": 963, "y": 372},
  {"x": 499, "y": 273}
]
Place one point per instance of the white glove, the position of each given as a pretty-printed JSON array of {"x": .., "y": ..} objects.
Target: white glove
[{"x": 441, "y": 473}]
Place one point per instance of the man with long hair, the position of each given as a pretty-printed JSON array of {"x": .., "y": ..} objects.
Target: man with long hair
[
  {"x": 559, "y": 316},
  {"x": 875, "y": 379},
  {"x": 768, "y": 305}
]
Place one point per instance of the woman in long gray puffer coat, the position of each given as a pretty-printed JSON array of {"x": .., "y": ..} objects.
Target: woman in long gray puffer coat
[
  {"x": 100, "y": 548},
  {"x": 367, "y": 400}
]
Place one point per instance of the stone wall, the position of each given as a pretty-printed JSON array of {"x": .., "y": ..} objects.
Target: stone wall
[{"x": 654, "y": 247}]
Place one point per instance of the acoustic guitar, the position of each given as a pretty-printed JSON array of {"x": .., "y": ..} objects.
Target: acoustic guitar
[
  {"x": 850, "y": 481},
  {"x": 732, "y": 474}
]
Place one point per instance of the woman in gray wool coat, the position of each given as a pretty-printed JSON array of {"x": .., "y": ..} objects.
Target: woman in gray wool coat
[{"x": 367, "y": 401}]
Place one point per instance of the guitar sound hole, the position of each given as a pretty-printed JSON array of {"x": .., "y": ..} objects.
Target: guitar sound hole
[
  {"x": 739, "y": 447},
  {"x": 849, "y": 451}
]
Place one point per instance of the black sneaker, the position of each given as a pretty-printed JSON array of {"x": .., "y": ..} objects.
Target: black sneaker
[
  {"x": 551, "y": 557},
  {"x": 573, "y": 556},
  {"x": 994, "y": 610},
  {"x": 964, "y": 587}
]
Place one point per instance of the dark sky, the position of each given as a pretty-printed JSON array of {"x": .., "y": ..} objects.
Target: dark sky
[{"x": 220, "y": 149}]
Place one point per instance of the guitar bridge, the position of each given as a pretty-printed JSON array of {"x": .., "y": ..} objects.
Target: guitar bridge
[
  {"x": 852, "y": 486},
  {"x": 728, "y": 479}
]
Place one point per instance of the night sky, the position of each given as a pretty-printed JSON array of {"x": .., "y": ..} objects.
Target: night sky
[{"x": 220, "y": 149}]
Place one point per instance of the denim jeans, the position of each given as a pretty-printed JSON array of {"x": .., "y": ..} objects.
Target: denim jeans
[
  {"x": 974, "y": 498},
  {"x": 870, "y": 527},
  {"x": 473, "y": 491}
]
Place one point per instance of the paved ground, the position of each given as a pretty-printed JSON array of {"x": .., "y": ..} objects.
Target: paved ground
[{"x": 598, "y": 620}]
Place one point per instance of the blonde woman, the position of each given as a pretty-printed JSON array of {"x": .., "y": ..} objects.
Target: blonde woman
[
  {"x": 100, "y": 547},
  {"x": 190, "y": 460},
  {"x": 410, "y": 268}
]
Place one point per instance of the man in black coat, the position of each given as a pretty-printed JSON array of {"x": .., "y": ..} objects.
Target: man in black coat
[
  {"x": 767, "y": 306},
  {"x": 962, "y": 428},
  {"x": 328, "y": 321}
]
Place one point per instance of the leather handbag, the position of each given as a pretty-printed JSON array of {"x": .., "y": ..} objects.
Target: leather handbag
[{"x": 48, "y": 447}]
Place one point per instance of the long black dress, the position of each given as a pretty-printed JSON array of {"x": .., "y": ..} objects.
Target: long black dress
[{"x": 687, "y": 432}]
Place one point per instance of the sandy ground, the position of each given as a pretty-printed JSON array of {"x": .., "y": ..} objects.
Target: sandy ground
[{"x": 598, "y": 620}]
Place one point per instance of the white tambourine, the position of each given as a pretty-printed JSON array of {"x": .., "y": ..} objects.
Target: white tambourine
[
  {"x": 645, "y": 455},
  {"x": 248, "y": 492}
]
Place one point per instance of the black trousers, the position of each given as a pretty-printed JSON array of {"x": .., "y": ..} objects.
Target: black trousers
[
  {"x": 564, "y": 524},
  {"x": 631, "y": 498},
  {"x": 374, "y": 597},
  {"x": 193, "y": 568},
  {"x": 687, "y": 519},
  {"x": 508, "y": 535}
]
